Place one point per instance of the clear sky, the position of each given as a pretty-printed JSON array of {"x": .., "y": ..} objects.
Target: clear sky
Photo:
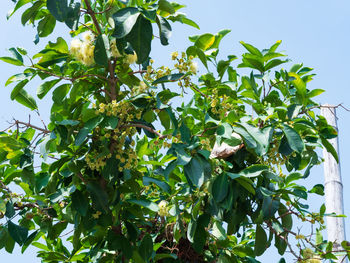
[{"x": 313, "y": 32}]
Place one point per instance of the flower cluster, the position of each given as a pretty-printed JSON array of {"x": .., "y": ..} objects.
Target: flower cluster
[
  {"x": 163, "y": 208},
  {"x": 183, "y": 64},
  {"x": 84, "y": 50}
]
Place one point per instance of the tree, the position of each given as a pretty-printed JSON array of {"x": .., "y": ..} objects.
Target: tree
[{"x": 128, "y": 173}]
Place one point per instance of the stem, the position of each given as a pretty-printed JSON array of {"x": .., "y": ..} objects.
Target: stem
[
  {"x": 32, "y": 126},
  {"x": 92, "y": 14}
]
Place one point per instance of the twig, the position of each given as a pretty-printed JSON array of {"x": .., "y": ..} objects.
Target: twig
[
  {"x": 196, "y": 89},
  {"x": 37, "y": 112},
  {"x": 81, "y": 178},
  {"x": 92, "y": 14},
  {"x": 46, "y": 131}
]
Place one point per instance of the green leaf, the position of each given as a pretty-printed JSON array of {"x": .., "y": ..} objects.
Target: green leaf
[
  {"x": 275, "y": 46},
  {"x": 191, "y": 230},
  {"x": 183, "y": 19},
  {"x": 68, "y": 122},
  {"x": 274, "y": 63},
  {"x": 46, "y": 26},
  {"x": 12, "y": 61},
  {"x": 164, "y": 5},
  {"x": 88, "y": 127},
  {"x": 140, "y": 38},
  {"x": 10, "y": 210},
  {"x": 269, "y": 207},
  {"x": 81, "y": 136},
  {"x": 260, "y": 240},
  {"x": 146, "y": 247},
  {"x": 168, "y": 78},
  {"x": 314, "y": 93},
  {"x": 18, "y": 88},
  {"x": 299, "y": 85},
  {"x": 254, "y": 170},
  {"x": 19, "y": 4},
  {"x": 286, "y": 217},
  {"x": 197, "y": 170},
  {"x": 317, "y": 189},
  {"x": 220, "y": 187},
  {"x": 145, "y": 203},
  {"x": 163, "y": 185},
  {"x": 46, "y": 87},
  {"x": 185, "y": 133},
  {"x": 25, "y": 99},
  {"x": 2, "y": 206},
  {"x": 124, "y": 20},
  {"x": 16, "y": 54},
  {"x": 329, "y": 147},
  {"x": 58, "y": 8},
  {"x": 164, "y": 30},
  {"x": 218, "y": 231},
  {"x": 253, "y": 50},
  {"x": 99, "y": 196},
  {"x": 73, "y": 16},
  {"x": 80, "y": 202},
  {"x": 102, "y": 50},
  {"x": 280, "y": 244},
  {"x": 205, "y": 41},
  {"x": 294, "y": 140},
  {"x": 18, "y": 233}
]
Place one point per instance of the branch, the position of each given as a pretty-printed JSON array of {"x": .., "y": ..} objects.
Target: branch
[
  {"x": 93, "y": 16},
  {"x": 196, "y": 89},
  {"x": 27, "y": 124}
]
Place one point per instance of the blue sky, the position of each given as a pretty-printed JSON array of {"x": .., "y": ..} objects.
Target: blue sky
[{"x": 313, "y": 32}]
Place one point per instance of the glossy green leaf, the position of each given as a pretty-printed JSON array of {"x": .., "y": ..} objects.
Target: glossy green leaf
[
  {"x": 140, "y": 38},
  {"x": 163, "y": 185},
  {"x": 18, "y": 233},
  {"x": 218, "y": 231},
  {"x": 46, "y": 26},
  {"x": 46, "y": 87},
  {"x": 205, "y": 41},
  {"x": 260, "y": 240},
  {"x": 294, "y": 140},
  {"x": 164, "y": 30},
  {"x": 99, "y": 196},
  {"x": 146, "y": 247},
  {"x": 124, "y": 20},
  {"x": 220, "y": 187},
  {"x": 286, "y": 217},
  {"x": 145, "y": 203},
  {"x": 58, "y": 8},
  {"x": 80, "y": 202},
  {"x": 168, "y": 78},
  {"x": 102, "y": 50},
  {"x": 196, "y": 171},
  {"x": 26, "y": 100},
  {"x": 19, "y": 4},
  {"x": 12, "y": 61},
  {"x": 183, "y": 19},
  {"x": 253, "y": 50},
  {"x": 254, "y": 170},
  {"x": 166, "y": 6},
  {"x": 269, "y": 207},
  {"x": 329, "y": 147},
  {"x": 18, "y": 88}
]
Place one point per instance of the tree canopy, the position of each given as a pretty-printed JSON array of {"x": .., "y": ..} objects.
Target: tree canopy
[{"x": 140, "y": 163}]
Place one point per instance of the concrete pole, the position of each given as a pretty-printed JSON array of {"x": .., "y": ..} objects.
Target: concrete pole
[{"x": 333, "y": 186}]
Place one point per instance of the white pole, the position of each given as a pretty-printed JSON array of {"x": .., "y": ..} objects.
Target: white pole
[{"x": 333, "y": 186}]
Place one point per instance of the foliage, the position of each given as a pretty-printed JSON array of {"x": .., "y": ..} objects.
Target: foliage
[{"x": 126, "y": 172}]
